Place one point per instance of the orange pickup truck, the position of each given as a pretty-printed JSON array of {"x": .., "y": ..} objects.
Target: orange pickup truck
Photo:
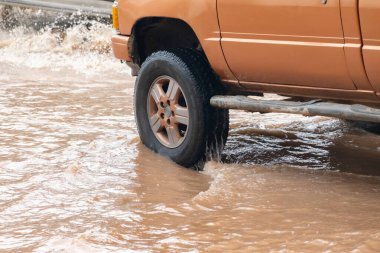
[{"x": 195, "y": 59}]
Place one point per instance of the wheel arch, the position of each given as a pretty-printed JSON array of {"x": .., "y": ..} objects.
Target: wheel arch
[
  {"x": 152, "y": 34},
  {"x": 200, "y": 16}
]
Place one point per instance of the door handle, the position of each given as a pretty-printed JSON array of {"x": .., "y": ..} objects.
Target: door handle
[{"x": 324, "y": 2}]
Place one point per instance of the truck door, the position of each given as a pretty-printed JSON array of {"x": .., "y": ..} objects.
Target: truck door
[
  {"x": 370, "y": 26},
  {"x": 295, "y": 42}
]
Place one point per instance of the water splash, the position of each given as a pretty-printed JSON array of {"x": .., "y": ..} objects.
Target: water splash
[{"x": 41, "y": 40}]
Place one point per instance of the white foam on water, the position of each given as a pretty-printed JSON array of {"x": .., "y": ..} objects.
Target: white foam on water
[{"x": 84, "y": 48}]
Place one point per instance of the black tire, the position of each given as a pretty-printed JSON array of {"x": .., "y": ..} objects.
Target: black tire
[{"x": 208, "y": 129}]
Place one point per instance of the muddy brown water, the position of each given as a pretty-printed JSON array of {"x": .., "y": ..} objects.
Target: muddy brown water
[{"x": 75, "y": 178}]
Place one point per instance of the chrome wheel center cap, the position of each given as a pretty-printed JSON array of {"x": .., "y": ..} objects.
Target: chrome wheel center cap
[{"x": 168, "y": 112}]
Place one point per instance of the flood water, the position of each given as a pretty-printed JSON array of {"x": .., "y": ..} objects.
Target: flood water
[{"x": 75, "y": 178}]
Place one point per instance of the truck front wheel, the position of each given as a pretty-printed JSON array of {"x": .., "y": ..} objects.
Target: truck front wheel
[{"x": 172, "y": 108}]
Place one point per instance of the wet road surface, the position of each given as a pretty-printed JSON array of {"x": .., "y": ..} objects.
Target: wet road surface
[{"x": 75, "y": 178}]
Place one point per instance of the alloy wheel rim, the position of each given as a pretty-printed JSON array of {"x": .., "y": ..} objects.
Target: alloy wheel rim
[{"x": 168, "y": 112}]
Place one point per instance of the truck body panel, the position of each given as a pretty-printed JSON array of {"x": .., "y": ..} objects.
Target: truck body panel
[
  {"x": 292, "y": 42},
  {"x": 322, "y": 49},
  {"x": 370, "y": 27},
  {"x": 353, "y": 44}
]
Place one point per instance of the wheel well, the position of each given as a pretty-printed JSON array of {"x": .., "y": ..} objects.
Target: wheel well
[{"x": 154, "y": 34}]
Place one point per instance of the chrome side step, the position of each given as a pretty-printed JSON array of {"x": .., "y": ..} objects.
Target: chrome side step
[
  {"x": 310, "y": 108},
  {"x": 92, "y": 7}
]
